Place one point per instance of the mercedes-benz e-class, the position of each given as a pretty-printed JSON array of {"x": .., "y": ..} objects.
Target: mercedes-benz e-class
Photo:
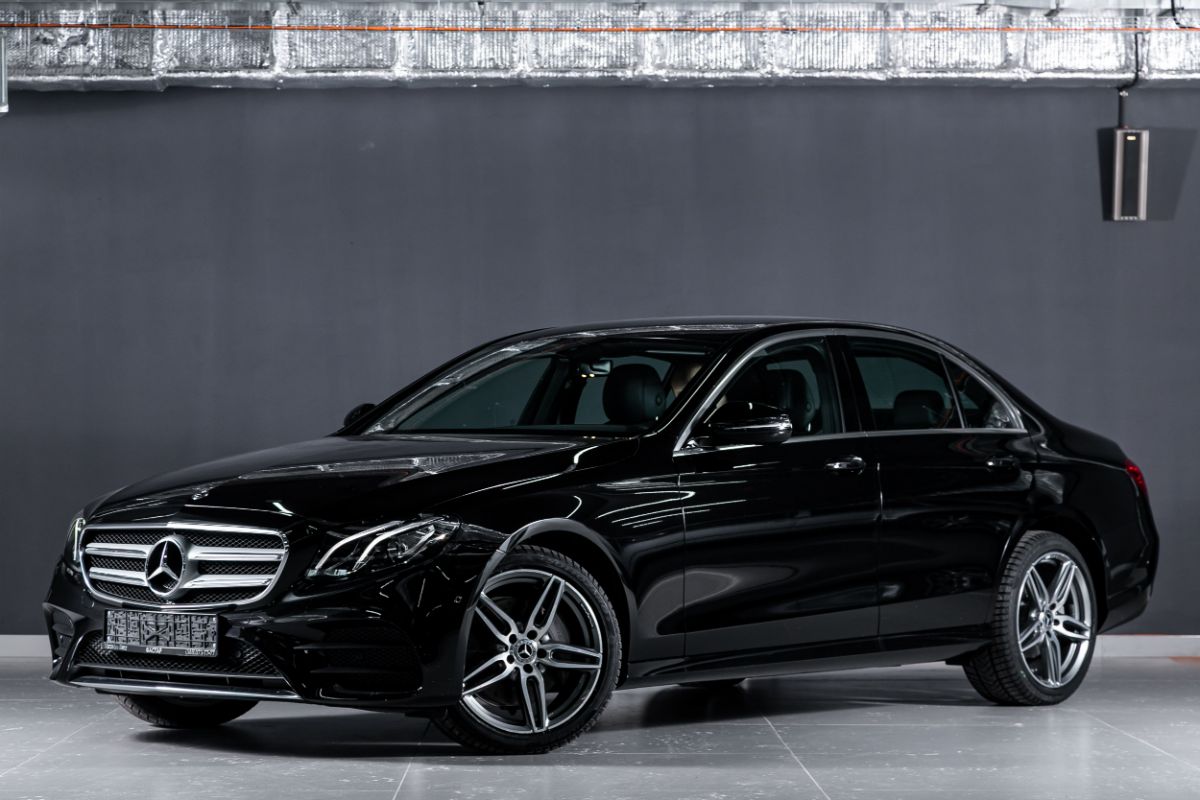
[{"x": 562, "y": 513}]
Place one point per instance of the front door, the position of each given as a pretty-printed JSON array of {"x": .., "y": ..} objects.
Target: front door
[{"x": 780, "y": 538}]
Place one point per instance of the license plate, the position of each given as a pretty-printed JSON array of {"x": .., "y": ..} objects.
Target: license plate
[{"x": 161, "y": 634}]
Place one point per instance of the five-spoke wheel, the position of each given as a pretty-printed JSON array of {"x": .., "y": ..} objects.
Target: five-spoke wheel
[
  {"x": 1043, "y": 625},
  {"x": 546, "y": 654},
  {"x": 541, "y": 658},
  {"x": 1054, "y": 620}
]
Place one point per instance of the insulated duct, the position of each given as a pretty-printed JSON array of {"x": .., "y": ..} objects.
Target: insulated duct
[{"x": 153, "y": 46}]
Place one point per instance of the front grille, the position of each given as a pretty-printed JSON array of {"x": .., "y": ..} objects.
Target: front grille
[
  {"x": 137, "y": 593},
  {"x": 220, "y": 597},
  {"x": 197, "y": 564},
  {"x": 235, "y": 568},
  {"x": 236, "y": 658},
  {"x": 196, "y": 537},
  {"x": 239, "y": 666}
]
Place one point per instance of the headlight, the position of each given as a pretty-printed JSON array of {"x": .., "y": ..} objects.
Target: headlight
[
  {"x": 382, "y": 546},
  {"x": 74, "y": 534}
]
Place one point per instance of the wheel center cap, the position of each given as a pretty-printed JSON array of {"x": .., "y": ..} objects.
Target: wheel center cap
[{"x": 524, "y": 651}]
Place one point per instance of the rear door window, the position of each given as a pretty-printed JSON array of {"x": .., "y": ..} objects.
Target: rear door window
[{"x": 906, "y": 386}]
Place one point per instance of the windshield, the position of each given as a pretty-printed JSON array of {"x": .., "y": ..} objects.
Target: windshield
[{"x": 615, "y": 384}]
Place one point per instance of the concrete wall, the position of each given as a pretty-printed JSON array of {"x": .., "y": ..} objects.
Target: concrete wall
[{"x": 187, "y": 275}]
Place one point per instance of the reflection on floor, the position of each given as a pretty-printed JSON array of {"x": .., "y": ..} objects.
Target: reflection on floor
[{"x": 1133, "y": 731}]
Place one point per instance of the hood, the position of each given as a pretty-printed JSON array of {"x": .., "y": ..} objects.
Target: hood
[{"x": 350, "y": 478}]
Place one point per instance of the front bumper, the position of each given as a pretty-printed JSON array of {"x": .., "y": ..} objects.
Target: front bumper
[{"x": 394, "y": 643}]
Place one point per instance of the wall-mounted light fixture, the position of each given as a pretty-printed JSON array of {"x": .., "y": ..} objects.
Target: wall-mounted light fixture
[
  {"x": 1131, "y": 172},
  {"x": 3, "y": 73}
]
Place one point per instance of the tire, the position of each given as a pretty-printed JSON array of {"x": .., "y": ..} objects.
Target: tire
[
  {"x": 714, "y": 686},
  {"x": 1018, "y": 667},
  {"x": 524, "y": 694},
  {"x": 169, "y": 712}
]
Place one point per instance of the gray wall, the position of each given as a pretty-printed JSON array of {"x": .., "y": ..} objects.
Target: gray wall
[{"x": 192, "y": 274}]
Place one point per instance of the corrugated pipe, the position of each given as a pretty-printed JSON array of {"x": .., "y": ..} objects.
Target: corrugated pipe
[{"x": 473, "y": 43}]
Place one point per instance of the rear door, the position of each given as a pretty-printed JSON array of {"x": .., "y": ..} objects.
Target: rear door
[
  {"x": 780, "y": 537},
  {"x": 955, "y": 472}
]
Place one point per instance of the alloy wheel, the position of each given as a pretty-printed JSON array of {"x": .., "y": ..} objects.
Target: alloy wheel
[
  {"x": 1054, "y": 619},
  {"x": 534, "y": 654}
]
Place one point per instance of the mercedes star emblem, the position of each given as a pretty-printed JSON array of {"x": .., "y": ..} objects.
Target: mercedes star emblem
[{"x": 165, "y": 565}]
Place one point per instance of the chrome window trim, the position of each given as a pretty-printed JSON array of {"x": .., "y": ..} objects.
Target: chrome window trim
[
  {"x": 274, "y": 554},
  {"x": 681, "y": 442},
  {"x": 820, "y": 437},
  {"x": 959, "y": 431}
]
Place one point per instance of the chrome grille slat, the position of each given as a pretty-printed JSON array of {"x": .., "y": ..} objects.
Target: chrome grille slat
[
  {"x": 118, "y": 550},
  {"x": 183, "y": 526},
  {"x": 235, "y": 554},
  {"x": 224, "y": 564},
  {"x": 229, "y": 581},
  {"x": 125, "y": 576}
]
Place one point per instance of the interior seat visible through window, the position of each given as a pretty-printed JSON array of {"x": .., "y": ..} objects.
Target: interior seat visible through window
[
  {"x": 633, "y": 394},
  {"x": 906, "y": 386}
]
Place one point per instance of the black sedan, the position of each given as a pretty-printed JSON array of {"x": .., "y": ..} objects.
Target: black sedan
[{"x": 565, "y": 512}]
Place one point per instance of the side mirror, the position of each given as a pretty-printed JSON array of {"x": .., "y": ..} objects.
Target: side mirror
[
  {"x": 357, "y": 413},
  {"x": 747, "y": 423}
]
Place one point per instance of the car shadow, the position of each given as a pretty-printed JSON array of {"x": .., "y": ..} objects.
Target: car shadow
[{"x": 326, "y": 734}]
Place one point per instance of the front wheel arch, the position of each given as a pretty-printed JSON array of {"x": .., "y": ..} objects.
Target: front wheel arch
[
  {"x": 486, "y": 723},
  {"x": 583, "y": 546}
]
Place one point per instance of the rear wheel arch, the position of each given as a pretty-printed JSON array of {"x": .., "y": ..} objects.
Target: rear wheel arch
[{"x": 1083, "y": 535}]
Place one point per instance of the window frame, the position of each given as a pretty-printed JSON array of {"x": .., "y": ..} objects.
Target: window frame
[
  {"x": 685, "y": 444},
  {"x": 862, "y": 403}
]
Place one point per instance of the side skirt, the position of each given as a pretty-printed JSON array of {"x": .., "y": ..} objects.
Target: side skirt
[{"x": 890, "y": 651}]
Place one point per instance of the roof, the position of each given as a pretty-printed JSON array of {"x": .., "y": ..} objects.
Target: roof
[{"x": 717, "y": 324}]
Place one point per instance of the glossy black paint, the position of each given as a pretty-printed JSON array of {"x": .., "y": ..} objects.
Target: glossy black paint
[
  {"x": 720, "y": 560},
  {"x": 780, "y": 549}
]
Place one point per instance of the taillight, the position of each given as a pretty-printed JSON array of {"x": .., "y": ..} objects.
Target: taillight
[{"x": 1135, "y": 475}]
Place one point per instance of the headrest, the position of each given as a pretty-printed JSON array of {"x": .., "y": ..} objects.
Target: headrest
[
  {"x": 917, "y": 408},
  {"x": 633, "y": 394},
  {"x": 787, "y": 389},
  {"x": 747, "y": 387}
]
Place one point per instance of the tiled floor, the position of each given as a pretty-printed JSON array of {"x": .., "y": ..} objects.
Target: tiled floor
[{"x": 1133, "y": 731}]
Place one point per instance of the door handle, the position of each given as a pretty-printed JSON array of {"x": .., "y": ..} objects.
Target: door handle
[
  {"x": 1002, "y": 463},
  {"x": 848, "y": 464}
]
